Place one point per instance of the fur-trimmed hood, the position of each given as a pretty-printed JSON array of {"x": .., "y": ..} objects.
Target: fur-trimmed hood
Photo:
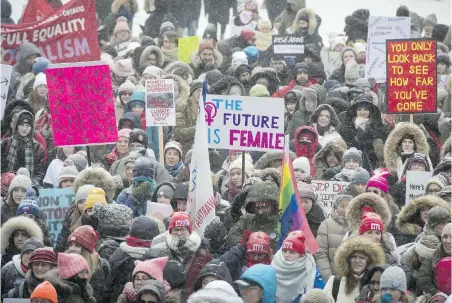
[
  {"x": 337, "y": 147},
  {"x": 334, "y": 119},
  {"x": 313, "y": 23},
  {"x": 391, "y": 150},
  {"x": 224, "y": 84},
  {"x": 184, "y": 90},
  {"x": 354, "y": 213},
  {"x": 180, "y": 68},
  {"x": 116, "y": 5},
  {"x": 68, "y": 291},
  {"x": 366, "y": 246},
  {"x": 22, "y": 223},
  {"x": 268, "y": 73},
  {"x": 98, "y": 177},
  {"x": 446, "y": 150},
  {"x": 410, "y": 214},
  {"x": 147, "y": 51},
  {"x": 269, "y": 157},
  {"x": 270, "y": 174},
  {"x": 217, "y": 59}
]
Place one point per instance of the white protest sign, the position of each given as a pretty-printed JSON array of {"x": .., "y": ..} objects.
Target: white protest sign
[
  {"x": 5, "y": 73},
  {"x": 380, "y": 30},
  {"x": 326, "y": 192},
  {"x": 331, "y": 61},
  {"x": 415, "y": 184},
  {"x": 158, "y": 209},
  {"x": 245, "y": 123},
  {"x": 160, "y": 105}
]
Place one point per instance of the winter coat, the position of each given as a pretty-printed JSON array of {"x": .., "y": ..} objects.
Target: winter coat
[
  {"x": 21, "y": 68},
  {"x": 6, "y": 13},
  {"x": 219, "y": 11},
  {"x": 145, "y": 54},
  {"x": 300, "y": 118},
  {"x": 329, "y": 237},
  {"x": 126, "y": 198},
  {"x": 287, "y": 16},
  {"x": 356, "y": 25},
  {"x": 184, "y": 131},
  {"x": 70, "y": 292},
  {"x": 427, "y": 274},
  {"x": 411, "y": 268},
  {"x": 269, "y": 74},
  {"x": 323, "y": 172},
  {"x": 265, "y": 276},
  {"x": 98, "y": 279},
  {"x": 26, "y": 287},
  {"x": 315, "y": 217},
  {"x": 233, "y": 214},
  {"x": 61, "y": 242},
  {"x": 12, "y": 275},
  {"x": 234, "y": 260},
  {"x": 200, "y": 67},
  {"x": 311, "y": 37},
  {"x": 311, "y": 149}
]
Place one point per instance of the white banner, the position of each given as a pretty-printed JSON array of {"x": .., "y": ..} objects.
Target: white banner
[
  {"x": 415, "y": 184},
  {"x": 326, "y": 192},
  {"x": 160, "y": 104},
  {"x": 5, "y": 77}
]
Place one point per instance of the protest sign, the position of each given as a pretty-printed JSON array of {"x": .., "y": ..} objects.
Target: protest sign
[
  {"x": 5, "y": 77},
  {"x": 67, "y": 35},
  {"x": 54, "y": 203},
  {"x": 7, "y": 300},
  {"x": 326, "y": 192},
  {"x": 158, "y": 210},
  {"x": 81, "y": 104},
  {"x": 331, "y": 61},
  {"x": 160, "y": 105},
  {"x": 380, "y": 30},
  {"x": 415, "y": 184},
  {"x": 288, "y": 46},
  {"x": 186, "y": 46},
  {"x": 245, "y": 123},
  {"x": 121, "y": 48},
  {"x": 411, "y": 76}
]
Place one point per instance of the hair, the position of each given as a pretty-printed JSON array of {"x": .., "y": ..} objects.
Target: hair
[
  {"x": 92, "y": 260},
  {"x": 415, "y": 262},
  {"x": 350, "y": 280},
  {"x": 34, "y": 98},
  {"x": 171, "y": 35}
]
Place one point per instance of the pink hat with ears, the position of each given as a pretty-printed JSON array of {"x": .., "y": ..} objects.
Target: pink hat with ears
[
  {"x": 153, "y": 268},
  {"x": 379, "y": 180}
]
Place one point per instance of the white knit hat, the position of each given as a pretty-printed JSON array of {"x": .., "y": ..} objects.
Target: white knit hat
[
  {"x": 237, "y": 164},
  {"x": 68, "y": 172},
  {"x": 359, "y": 47},
  {"x": 337, "y": 40},
  {"x": 40, "y": 79},
  {"x": 127, "y": 86},
  {"x": 20, "y": 181},
  {"x": 303, "y": 164},
  {"x": 153, "y": 71}
]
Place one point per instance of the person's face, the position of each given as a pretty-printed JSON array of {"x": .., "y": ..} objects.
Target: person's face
[
  {"x": 148, "y": 298},
  {"x": 122, "y": 145},
  {"x": 342, "y": 207},
  {"x": 351, "y": 81},
  {"x": 363, "y": 112},
  {"x": 339, "y": 48},
  {"x": 424, "y": 214},
  {"x": 332, "y": 160},
  {"x": 348, "y": 56},
  {"x": 417, "y": 166},
  {"x": 168, "y": 44},
  {"x": 181, "y": 233},
  {"x": 135, "y": 145},
  {"x": 26, "y": 258},
  {"x": 244, "y": 77},
  {"x": 290, "y": 106},
  {"x": 67, "y": 183},
  {"x": 290, "y": 255},
  {"x": 19, "y": 238},
  {"x": 172, "y": 157},
  {"x": 139, "y": 279},
  {"x": 446, "y": 240},
  {"x": 307, "y": 205},
  {"x": 236, "y": 177},
  {"x": 358, "y": 263},
  {"x": 433, "y": 189},
  {"x": 303, "y": 24},
  {"x": 163, "y": 200},
  {"x": 298, "y": 174},
  {"x": 41, "y": 90},
  {"x": 181, "y": 205},
  {"x": 129, "y": 170},
  {"x": 125, "y": 96},
  {"x": 263, "y": 208},
  {"x": 152, "y": 59},
  {"x": 235, "y": 90},
  {"x": 18, "y": 194},
  {"x": 324, "y": 118},
  {"x": 74, "y": 248},
  {"x": 395, "y": 294},
  {"x": 81, "y": 205},
  {"x": 376, "y": 191},
  {"x": 361, "y": 55},
  {"x": 439, "y": 228},
  {"x": 407, "y": 145},
  {"x": 441, "y": 68},
  {"x": 234, "y": 156},
  {"x": 309, "y": 105},
  {"x": 197, "y": 94},
  {"x": 206, "y": 280},
  {"x": 351, "y": 164},
  {"x": 278, "y": 66},
  {"x": 206, "y": 56},
  {"x": 138, "y": 108},
  {"x": 428, "y": 28},
  {"x": 360, "y": 188},
  {"x": 40, "y": 269},
  {"x": 302, "y": 78},
  {"x": 262, "y": 81},
  {"x": 30, "y": 60},
  {"x": 24, "y": 129},
  {"x": 89, "y": 211},
  {"x": 374, "y": 284},
  {"x": 123, "y": 35},
  {"x": 374, "y": 235},
  {"x": 252, "y": 294}
]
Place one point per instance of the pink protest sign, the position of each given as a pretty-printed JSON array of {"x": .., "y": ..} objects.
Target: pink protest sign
[{"x": 81, "y": 104}]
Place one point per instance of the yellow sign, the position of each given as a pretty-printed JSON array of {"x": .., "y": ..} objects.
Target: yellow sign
[{"x": 186, "y": 47}]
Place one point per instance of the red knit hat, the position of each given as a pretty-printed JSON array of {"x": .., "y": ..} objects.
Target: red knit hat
[
  {"x": 443, "y": 275},
  {"x": 379, "y": 180},
  {"x": 70, "y": 265},
  {"x": 370, "y": 221},
  {"x": 247, "y": 34},
  {"x": 44, "y": 254},
  {"x": 205, "y": 44},
  {"x": 180, "y": 219},
  {"x": 153, "y": 268},
  {"x": 258, "y": 242},
  {"x": 45, "y": 291},
  {"x": 295, "y": 241},
  {"x": 84, "y": 236}
]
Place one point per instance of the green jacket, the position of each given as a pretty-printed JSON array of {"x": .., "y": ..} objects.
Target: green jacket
[{"x": 184, "y": 131}]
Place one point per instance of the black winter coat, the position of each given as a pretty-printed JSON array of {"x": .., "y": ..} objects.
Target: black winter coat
[
  {"x": 69, "y": 291},
  {"x": 315, "y": 217}
]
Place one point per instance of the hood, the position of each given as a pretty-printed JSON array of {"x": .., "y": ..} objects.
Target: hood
[
  {"x": 339, "y": 104},
  {"x": 375, "y": 115},
  {"x": 354, "y": 213},
  {"x": 180, "y": 68},
  {"x": 270, "y": 174},
  {"x": 298, "y": 4},
  {"x": 224, "y": 84},
  {"x": 217, "y": 56},
  {"x": 27, "y": 49},
  {"x": 334, "y": 119},
  {"x": 366, "y": 246},
  {"x": 444, "y": 166},
  {"x": 214, "y": 268},
  {"x": 147, "y": 51},
  {"x": 184, "y": 90},
  {"x": 270, "y": 156},
  {"x": 16, "y": 104},
  {"x": 272, "y": 77},
  {"x": 31, "y": 118},
  {"x": 297, "y": 94},
  {"x": 17, "y": 260},
  {"x": 314, "y": 136},
  {"x": 319, "y": 89},
  {"x": 308, "y": 91},
  {"x": 313, "y": 21},
  {"x": 391, "y": 149},
  {"x": 6, "y": 9},
  {"x": 265, "y": 276},
  {"x": 132, "y": 117},
  {"x": 156, "y": 287},
  {"x": 22, "y": 223},
  {"x": 98, "y": 177},
  {"x": 337, "y": 147},
  {"x": 446, "y": 148},
  {"x": 409, "y": 218}
]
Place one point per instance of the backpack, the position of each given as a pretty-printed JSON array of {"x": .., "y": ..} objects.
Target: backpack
[{"x": 336, "y": 284}]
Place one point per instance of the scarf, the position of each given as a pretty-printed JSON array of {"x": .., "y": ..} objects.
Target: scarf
[
  {"x": 322, "y": 130},
  {"x": 137, "y": 242},
  {"x": 113, "y": 156},
  {"x": 19, "y": 144},
  {"x": 250, "y": 261},
  {"x": 361, "y": 122},
  {"x": 170, "y": 55},
  {"x": 134, "y": 252},
  {"x": 183, "y": 248},
  {"x": 232, "y": 191},
  {"x": 175, "y": 169},
  {"x": 23, "y": 267},
  {"x": 293, "y": 277}
]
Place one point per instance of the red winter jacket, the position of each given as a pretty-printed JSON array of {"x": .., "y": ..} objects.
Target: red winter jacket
[{"x": 307, "y": 150}]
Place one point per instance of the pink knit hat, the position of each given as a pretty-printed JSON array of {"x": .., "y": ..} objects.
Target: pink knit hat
[
  {"x": 70, "y": 265},
  {"x": 153, "y": 268},
  {"x": 123, "y": 68},
  {"x": 125, "y": 132},
  {"x": 121, "y": 24},
  {"x": 379, "y": 180}
]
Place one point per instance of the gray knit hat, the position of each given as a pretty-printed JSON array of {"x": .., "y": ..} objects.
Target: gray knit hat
[
  {"x": 76, "y": 160},
  {"x": 393, "y": 278},
  {"x": 353, "y": 154},
  {"x": 317, "y": 296},
  {"x": 437, "y": 215},
  {"x": 360, "y": 176},
  {"x": 112, "y": 214},
  {"x": 431, "y": 19},
  {"x": 308, "y": 194},
  {"x": 166, "y": 191},
  {"x": 31, "y": 245},
  {"x": 144, "y": 228},
  {"x": 20, "y": 181},
  {"x": 82, "y": 192},
  {"x": 340, "y": 198},
  {"x": 23, "y": 171}
]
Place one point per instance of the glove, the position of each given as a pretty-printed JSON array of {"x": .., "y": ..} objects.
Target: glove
[{"x": 245, "y": 237}]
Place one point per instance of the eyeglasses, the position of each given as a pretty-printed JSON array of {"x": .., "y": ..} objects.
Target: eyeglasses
[
  {"x": 140, "y": 279},
  {"x": 433, "y": 191},
  {"x": 125, "y": 93}
]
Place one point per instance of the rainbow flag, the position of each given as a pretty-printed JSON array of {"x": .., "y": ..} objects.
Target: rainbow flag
[{"x": 292, "y": 216}]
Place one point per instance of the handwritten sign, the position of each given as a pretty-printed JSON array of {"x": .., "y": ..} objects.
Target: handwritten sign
[
  {"x": 380, "y": 30},
  {"x": 331, "y": 61},
  {"x": 54, "y": 203},
  {"x": 160, "y": 105},
  {"x": 415, "y": 184},
  {"x": 5, "y": 76},
  {"x": 411, "y": 76},
  {"x": 326, "y": 192},
  {"x": 81, "y": 104},
  {"x": 186, "y": 47},
  {"x": 245, "y": 123}
]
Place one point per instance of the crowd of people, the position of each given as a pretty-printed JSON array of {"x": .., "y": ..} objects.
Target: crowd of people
[{"x": 374, "y": 246}]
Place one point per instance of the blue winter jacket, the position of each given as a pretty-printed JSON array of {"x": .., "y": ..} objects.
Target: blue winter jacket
[{"x": 265, "y": 276}]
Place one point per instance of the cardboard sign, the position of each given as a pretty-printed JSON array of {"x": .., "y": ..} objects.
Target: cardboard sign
[
  {"x": 380, "y": 30},
  {"x": 326, "y": 192},
  {"x": 245, "y": 123},
  {"x": 81, "y": 104},
  {"x": 415, "y": 184},
  {"x": 411, "y": 74},
  {"x": 54, "y": 203},
  {"x": 160, "y": 104},
  {"x": 186, "y": 47},
  {"x": 331, "y": 61},
  {"x": 158, "y": 210},
  {"x": 5, "y": 76},
  {"x": 67, "y": 35}
]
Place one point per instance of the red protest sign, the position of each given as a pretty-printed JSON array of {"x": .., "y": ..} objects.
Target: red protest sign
[
  {"x": 411, "y": 76},
  {"x": 67, "y": 35}
]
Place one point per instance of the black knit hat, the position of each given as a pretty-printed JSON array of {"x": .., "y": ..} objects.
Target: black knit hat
[
  {"x": 181, "y": 191},
  {"x": 174, "y": 274},
  {"x": 144, "y": 228},
  {"x": 210, "y": 32},
  {"x": 144, "y": 166},
  {"x": 195, "y": 85},
  {"x": 138, "y": 136}
]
